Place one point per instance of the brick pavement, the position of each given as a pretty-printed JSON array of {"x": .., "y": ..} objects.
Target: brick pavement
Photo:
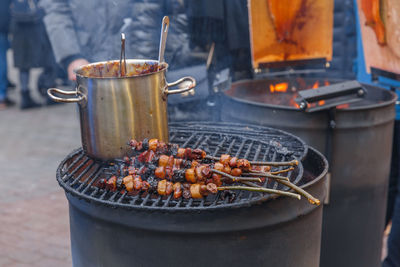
[{"x": 34, "y": 222}]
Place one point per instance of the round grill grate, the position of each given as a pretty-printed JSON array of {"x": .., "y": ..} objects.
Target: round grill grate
[{"x": 78, "y": 173}]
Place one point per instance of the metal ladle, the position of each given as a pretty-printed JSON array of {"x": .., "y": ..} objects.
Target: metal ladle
[
  {"x": 122, "y": 67},
  {"x": 163, "y": 39}
]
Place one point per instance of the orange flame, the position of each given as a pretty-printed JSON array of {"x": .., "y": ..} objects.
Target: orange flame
[
  {"x": 279, "y": 87},
  {"x": 315, "y": 86}
]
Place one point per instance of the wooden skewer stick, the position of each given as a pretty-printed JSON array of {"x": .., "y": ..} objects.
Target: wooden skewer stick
[
  {"x": 282, "y": 171},
  {"x": 260, "y": 189},
  {"x": 276, "y": 164},
  {"x": 302, "y": 192},
  {"x": 235, "y": 178},
  {"x": 268, "y": 175}
]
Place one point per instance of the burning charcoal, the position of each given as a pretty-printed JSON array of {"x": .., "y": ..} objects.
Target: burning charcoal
[
  {"x": 155, "y": 159},
  {"x": 179, "y": 175},
  {"x": 284, "y": 151},
  {"x": 232, "y": 197},
  {"x": 150, "y": 170},
  {"x": 151, "y": 167},
  {"x": 173, "y": 148},
  {"x": 145, "y": 144},
  {"x": 152, "y": 184},
  {"x": 186, "y": 164},
  {"x": 136, "y": 163},
  {"x": 123, "y": 171},
  {"x": 119, "y": 183}
]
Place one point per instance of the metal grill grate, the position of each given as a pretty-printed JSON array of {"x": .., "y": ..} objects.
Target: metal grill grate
[
  {"x": 284, "y": 142},
  {"x": 77, "y": 173}
]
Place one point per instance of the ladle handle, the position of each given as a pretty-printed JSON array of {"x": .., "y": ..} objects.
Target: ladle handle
[
  {"x": 163, "y": 38},
  {"x": 122, "y": 60},
  {"x": 78, "y": 98}
]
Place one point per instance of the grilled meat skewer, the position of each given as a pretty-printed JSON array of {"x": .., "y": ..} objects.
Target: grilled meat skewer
[
  {"x": 233, "y": 161},
  {"x": 161, "y": 147},
  {"x": 166, "y": 188}
]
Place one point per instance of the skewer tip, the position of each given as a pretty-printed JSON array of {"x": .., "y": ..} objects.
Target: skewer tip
[{"x": 314, "y": 201}]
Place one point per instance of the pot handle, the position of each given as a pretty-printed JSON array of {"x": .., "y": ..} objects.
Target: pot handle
[
  {"x": 78, "y": 98},
  {"x": 178, "y": 91}
]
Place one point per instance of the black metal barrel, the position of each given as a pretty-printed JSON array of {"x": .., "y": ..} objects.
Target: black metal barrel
[
  {"x": 278, "y": 232},
  {"x": 358, "y": 142}
]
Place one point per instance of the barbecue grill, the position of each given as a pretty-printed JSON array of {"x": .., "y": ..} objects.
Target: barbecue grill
[{"x": 258, "y": 229}]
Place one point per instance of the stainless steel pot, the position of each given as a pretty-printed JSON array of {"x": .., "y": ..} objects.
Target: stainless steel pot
[{"x": 115, "y": 109}]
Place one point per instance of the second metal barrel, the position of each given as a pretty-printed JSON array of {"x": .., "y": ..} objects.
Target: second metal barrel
[{"x": 360, "y": 148}]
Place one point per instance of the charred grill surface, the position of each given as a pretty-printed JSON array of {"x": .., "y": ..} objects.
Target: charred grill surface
[{"x": 78, "y": 174}]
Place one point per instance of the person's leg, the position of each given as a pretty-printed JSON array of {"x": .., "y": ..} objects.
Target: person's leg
[
  {"x": 24, "y": 79},
  {"x": 394, "y": 173},
  {"x": 393, "y": 258},
  {"x": 3, "y": 68},
  {"x": 26, "y": 100}
]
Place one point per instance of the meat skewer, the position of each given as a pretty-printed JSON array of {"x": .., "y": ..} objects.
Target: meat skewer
[
  {"x": 168, "y": 167},
  {"x": 165, "y": 188},
  {"x": 182, "y": 171},
  {"x": 226, "y": 169},
  {"x": 264, "y": 163},
  {"x": 187, "y": 153}
]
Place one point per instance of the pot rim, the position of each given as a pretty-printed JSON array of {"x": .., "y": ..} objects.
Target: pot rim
[{"x": 128, "y": 61}]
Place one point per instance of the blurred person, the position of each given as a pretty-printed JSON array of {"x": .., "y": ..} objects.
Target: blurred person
[
  {"x": 31, "y": 48},
  {"x": 88, "y": 31},
  {"x": 393, "y": 257},
  {"x": 4, "y": 27},
  {"x": 225, "y": 23}
]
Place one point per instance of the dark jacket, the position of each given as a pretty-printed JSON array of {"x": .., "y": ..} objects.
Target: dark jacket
[
  {"x": 30, "y": 42},
  {"x": 92, "y": 29},
  {"x": 4, "y": 16}
]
